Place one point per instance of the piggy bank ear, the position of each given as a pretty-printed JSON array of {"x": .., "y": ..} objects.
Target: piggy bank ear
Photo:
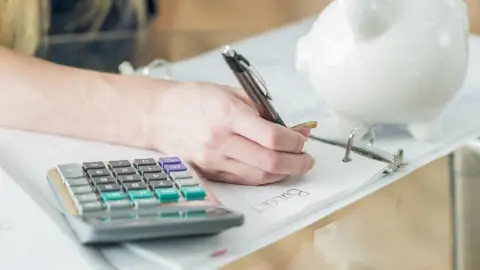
[{"x": 302, "y": 54}]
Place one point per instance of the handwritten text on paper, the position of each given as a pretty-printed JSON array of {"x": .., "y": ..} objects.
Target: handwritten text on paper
[{"x": 281, "y": 198}]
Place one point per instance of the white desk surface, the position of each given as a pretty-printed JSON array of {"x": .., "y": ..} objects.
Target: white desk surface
[{"x": 272, "y": 54}]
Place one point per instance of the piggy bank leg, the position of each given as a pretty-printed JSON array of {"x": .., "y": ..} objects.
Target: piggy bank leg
[{"x": 427, "y": 131}]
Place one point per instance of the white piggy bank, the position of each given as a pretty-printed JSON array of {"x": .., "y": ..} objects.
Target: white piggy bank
[{"x": 387, "y": 61}]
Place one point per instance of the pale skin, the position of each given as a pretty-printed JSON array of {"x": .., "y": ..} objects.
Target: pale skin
[{"x": 212, "y": 126}]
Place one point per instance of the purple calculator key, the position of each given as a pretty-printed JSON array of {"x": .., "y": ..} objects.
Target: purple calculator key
[
  {"x": 174, "y": 167},
  {"x": 169, "y": 160}
]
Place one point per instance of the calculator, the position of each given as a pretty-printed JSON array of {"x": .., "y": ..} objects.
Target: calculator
[{"x": 146, "y": 198}]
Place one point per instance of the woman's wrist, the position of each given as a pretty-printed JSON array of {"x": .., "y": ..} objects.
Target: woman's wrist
[{"x": 132, "y": 108}]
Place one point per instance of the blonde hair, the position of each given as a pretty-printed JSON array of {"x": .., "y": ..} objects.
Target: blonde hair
[{"x": 23, "y": 23}]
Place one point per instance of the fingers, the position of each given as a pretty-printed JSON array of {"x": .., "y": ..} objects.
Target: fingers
[
  {"x": 269, "y": 135},
  {"x": 251, "y": 175},
  {"x": 239, "y": 173},
  {"x": 224, "y": 177},
  {"x": 271, "y": 161},
  {"x": 305, "y": 131}
]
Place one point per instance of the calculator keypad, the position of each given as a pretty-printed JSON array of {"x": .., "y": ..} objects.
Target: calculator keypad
[{"x": 123, "y": 184}]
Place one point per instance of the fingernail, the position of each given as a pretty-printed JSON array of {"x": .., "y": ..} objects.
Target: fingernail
[
  {"x": 309, "y": 125},
  {"x": 312, "y": 164}
]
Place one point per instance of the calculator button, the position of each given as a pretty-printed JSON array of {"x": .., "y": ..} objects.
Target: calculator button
[
  {"x": 123, "y": 171},
  {"x": 75, "y": 182},
  {"x": 150, "y": 169},
  {"x": 180, "y": 175},
  {"x": 70, "y": 171},
  {"x": 112, "y": 196},
  {"x": 174, "y": 168},
  {"x": 187, "y": 182},
  {"x": 134, "y": 186},
  {"x": 129, "y": 178},
  {"x": 80, "y": 190},
  {"x": 93, "y": 165},
  {"x": 98, "y": 172},
  {"x": 161, "y": 184},
  {"x": 109, "y": 187},
  {"x": 155, "y": 176},
  {"x": 169, "y": 160},
  {"x": 87, "y": 197},
  {"x": 139, "y": 194},
  {"x": 144, "y": 162},
  {"x": 103, "y": 180},
  {"x": 145, "y": 203},
  {"x": 117, "y": 204},
  {"x": 119, "y": 163},
  {"x": 195, "y": 192},
  {"x": 167, "y": 194},
  {"x": 89, "y": 207}
]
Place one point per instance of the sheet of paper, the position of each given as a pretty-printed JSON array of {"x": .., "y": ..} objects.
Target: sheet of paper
[{"x": 29, "y": 238}]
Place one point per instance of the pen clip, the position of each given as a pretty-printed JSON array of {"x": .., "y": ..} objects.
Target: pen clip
[
  {"x": 250, "y": 69},
  {"x": 257, "y": 77}
]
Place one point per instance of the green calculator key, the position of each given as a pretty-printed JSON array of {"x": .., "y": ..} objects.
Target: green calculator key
[
  {"x": 167, "y": 194},
  {"x": 193, "y": 192},
  {"x": 139, "y": 194},
  {"x": 112, "y": 196}
]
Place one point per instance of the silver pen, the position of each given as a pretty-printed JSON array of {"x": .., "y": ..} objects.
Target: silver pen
[{"x": 253, "y": 84}]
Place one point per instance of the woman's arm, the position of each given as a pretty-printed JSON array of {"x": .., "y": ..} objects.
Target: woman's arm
[
  {"x": 225, "y": 137},
  {"x": 44, "y": 97}
]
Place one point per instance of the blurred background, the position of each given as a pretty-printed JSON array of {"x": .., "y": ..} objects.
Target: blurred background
[{"x": 141, "y": 30}]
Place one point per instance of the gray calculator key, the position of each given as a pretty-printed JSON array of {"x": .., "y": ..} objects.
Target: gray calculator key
[
  {"x": 187, "y": 182},
  {"x": 123, "y": 171},
  {"x": 129, "y": 178},
  {"x": 150, "y": 169},
  {"x": 98, "y": 173},
  {"x": 155, "y": 176},
  {"x": 70, "y": 170},
  {"x": 80, "y": 190},
  {"x": 135, "y": 186},
  {"x": 180, "y": 175},
  {"x": 109, "y": 187},
  {"x": 144, "y": 162},
  {"x": 93, "y": 165},
  {"x": 89, "y": 207},
  {"x": 145, "y": 203},
  {"x": 103, "y": 180},
  {"x": 75, "y": 182},
  {"x": 117, "y": 205},
  {"x": 85, "y": 198},
  {"x": 119, "y": 163},
  {"x": 161, "y": 184}
]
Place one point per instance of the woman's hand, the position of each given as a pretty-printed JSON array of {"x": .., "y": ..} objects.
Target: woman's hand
[{"x": 216, "y": 128}]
